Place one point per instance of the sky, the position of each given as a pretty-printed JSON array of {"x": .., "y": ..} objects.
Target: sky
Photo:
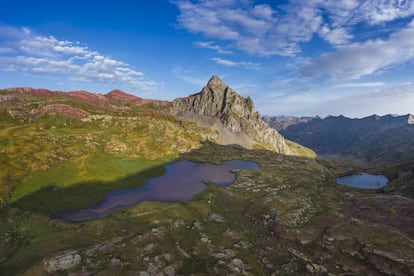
[{"x": 292, "y": 57}]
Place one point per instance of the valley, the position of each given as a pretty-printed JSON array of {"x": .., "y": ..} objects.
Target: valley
[
  {"x": 370, "y": 141},
  {"x": 67, "y": 150}
]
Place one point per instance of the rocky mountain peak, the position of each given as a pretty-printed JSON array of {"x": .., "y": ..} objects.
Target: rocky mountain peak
[
  {"x": 233, "y": 112},
  {"x": 216, "y": 84}
]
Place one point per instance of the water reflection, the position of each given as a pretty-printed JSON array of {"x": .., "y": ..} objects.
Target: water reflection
[
  {"x": 183, "y": 180},
  {"x": 363, "y": 180}
]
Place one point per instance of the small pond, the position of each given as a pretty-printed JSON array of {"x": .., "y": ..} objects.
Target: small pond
[
  {"x": 363, "y": 181},
  {"x": 183, "y": 180}
]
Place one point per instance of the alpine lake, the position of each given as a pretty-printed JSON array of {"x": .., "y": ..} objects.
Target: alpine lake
[
  {"x": 182, "y": 181},
  {"x": 363, "y": 181}
]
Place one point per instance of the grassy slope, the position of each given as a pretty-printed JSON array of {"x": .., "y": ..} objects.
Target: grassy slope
[
  {"x": 300, "y": 150},
  {"x": 277, "y": 219},
  {"x": 57, "y": 151}
]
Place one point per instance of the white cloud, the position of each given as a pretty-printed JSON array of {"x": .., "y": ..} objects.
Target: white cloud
[
  {"x": 250, "y": 28},
  {"x": 376, "y": 12},
  {"x": 47, "y": 55},
  {"x": 50, "y": 46},
  {"x": 393, "y": 99},
  {"x": 359, "y": 59},
  {"x": 265, "y": 30},
  {"x": 210, "y": 45},
  {"x": 229, "y": 63},
  {"x": 336, "y": 36}
]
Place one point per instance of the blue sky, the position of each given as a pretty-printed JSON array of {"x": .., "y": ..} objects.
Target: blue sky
[{"x": 292, "y": 57}]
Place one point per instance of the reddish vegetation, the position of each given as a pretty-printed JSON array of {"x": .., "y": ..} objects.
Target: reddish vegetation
[
  {"x": 123, "y": 97},
  {"x": 396, "y": 211},
  {"x": 45, "y": 92},
  {"x": 90, "y": 98},
  {"x": 95, "y": 99}
]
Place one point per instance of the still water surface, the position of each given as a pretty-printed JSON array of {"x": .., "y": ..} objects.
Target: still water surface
[
  {"x": 363, "y": 180},
  {"x": 183, "y": 180}
]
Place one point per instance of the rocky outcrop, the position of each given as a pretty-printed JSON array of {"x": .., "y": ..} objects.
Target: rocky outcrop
[
  {"x": 236, "y": 115},
  {"x": 62, "y": 262}
]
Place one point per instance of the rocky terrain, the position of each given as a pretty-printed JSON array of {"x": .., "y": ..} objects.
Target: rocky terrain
[
  {"x": 287, "y": 217},
  {"x": 370, "y": 141},
  {"x": 218, "y": 106},
  {"x": 67, "y": 150}
]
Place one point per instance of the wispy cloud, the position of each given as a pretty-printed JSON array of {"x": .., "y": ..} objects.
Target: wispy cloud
[
  {"x": 377, "y": 12},
  {"x": 4, "y": 50},
  {"x": 251, "y": 28},
  {"x": 229, "y": 63},
  {"x": 36, "y": 54},
  {"x": 359, "y": 59},
  {"x": 210, "y": 45},
  {"x": 360, "y": 84},
  {"x": 336, "y": 36},
  {"x": 267, "y": 30},
  {"x": 395, "y": 99}
]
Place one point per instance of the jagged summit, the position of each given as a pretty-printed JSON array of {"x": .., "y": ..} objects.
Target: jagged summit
[
  {"x": 216, "y": 84},
  {"x": 238, "y": 122}
]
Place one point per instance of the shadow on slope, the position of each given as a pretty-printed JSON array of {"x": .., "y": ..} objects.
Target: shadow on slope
[{"x": 83, "y": 194}]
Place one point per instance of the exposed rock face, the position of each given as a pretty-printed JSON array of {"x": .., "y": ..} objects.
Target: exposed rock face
[
  {"x": 235, "y": 113},
  {"x": 65, "y": 261}
]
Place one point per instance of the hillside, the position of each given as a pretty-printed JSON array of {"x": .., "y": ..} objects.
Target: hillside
[
  {"x": 67, "y": 151},
  {"x": 45, "y": 133},
  {"x": 372, "y": 141}
]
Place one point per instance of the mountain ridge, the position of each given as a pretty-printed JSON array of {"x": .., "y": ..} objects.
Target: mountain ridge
[
  {"x": 281, "y": 122},
  {"x": 235, "y": 117},
  {"x": 230, "y": 118},
  {"x": 287, "y": 216},
  {"x": 90, "y": 97},
  {"x": 375, "y": 140}
]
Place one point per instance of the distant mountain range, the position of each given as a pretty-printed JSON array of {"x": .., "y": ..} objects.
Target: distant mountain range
[
  {"x": 373, "y": 140},
  {"x": 231, "y": 118},
  {"x": 66, "y": 151}
]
